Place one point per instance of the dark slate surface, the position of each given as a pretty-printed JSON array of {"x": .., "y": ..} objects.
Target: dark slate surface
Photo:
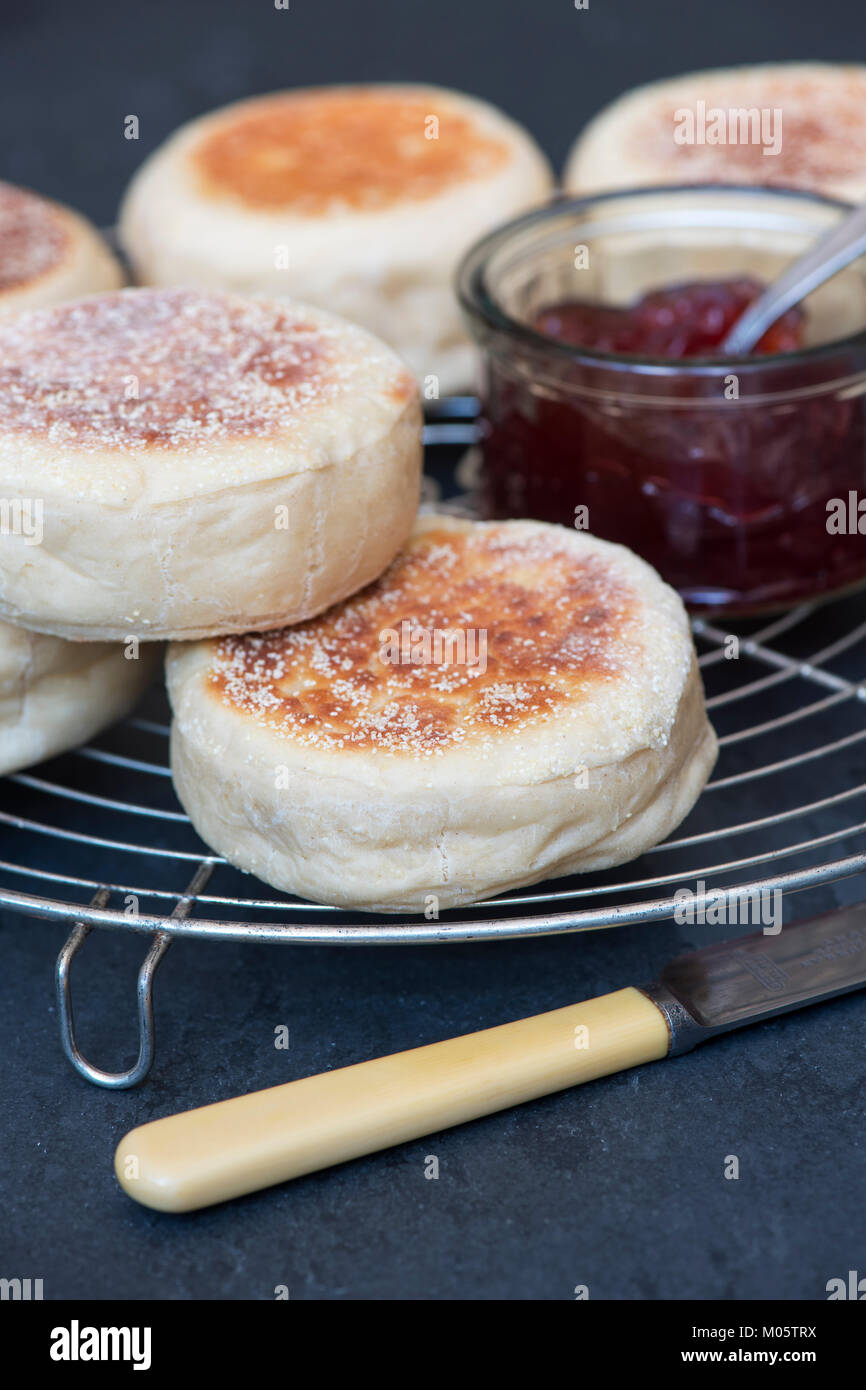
[{"x": 619, "y": 1185}]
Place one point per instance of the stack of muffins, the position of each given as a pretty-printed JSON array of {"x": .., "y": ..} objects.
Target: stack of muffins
[
  {"x": 180, "y": 464},
  {"x": 208, "y": 462}
]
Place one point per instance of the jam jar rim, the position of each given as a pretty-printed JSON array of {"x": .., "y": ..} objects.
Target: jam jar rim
[{"x": 478, "y": 302}]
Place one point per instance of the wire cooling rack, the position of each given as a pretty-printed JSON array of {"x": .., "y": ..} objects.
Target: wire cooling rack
[{"x": 96, "y": 838}]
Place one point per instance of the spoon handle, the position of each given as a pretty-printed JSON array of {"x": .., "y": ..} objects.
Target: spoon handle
[{"x": 837, "y": 248}]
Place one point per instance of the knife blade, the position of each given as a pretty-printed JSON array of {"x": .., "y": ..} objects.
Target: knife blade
[
  {"x": 199, "y": 1157},
  {"x": 733, "y": 983}
]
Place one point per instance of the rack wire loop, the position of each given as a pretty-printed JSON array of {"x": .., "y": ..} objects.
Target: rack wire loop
[
  {"x": 120, "y": 1080},
  {"x": 115, "y": 1080}
]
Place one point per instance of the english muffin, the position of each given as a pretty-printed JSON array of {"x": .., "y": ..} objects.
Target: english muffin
[
  {"x": 361, "y": 199},
  {"x": 791, "y": 124},
  {"x": 203, "y": 463},
  {"x": 55, "y": 695},
  {"x": 48, "y": 253},
  {"x": 509, "y": 702}
]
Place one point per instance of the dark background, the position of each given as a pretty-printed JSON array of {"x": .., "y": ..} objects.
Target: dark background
[
  {"x": 619, "y": 1185},
  {"x": 70, "y": 72}
]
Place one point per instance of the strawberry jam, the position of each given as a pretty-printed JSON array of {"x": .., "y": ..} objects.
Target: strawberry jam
[
  {"x": 722, "y": 474},
  {"x": 683, "y": 321}
]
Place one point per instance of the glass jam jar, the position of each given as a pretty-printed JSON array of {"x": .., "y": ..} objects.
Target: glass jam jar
[{"x": 740, "y": 480}]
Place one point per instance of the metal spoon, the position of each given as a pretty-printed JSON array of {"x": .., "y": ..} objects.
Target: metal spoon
[{"x": 830, "y": 254}]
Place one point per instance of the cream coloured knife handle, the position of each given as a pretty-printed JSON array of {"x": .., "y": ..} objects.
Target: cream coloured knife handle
[{"x": 235, "y": 1146}]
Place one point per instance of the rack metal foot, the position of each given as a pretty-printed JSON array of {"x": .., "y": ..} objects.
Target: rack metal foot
[{"x": 120, "y": 1080}]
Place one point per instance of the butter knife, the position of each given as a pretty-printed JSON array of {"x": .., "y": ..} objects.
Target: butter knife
[{"x": 199, "y": 1157}]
